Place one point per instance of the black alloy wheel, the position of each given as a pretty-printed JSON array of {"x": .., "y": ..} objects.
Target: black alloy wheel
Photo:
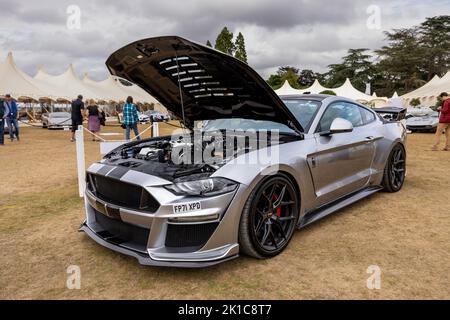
[
  {"x": 272, "y": 216},
  {"x": 394, "y": 174}
]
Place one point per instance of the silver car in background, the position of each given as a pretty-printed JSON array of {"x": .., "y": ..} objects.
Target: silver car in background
[
  {"x": 426, "y": 122},
  {"x": 56, "y": 120},
  {"x": 329, "y": 152}
]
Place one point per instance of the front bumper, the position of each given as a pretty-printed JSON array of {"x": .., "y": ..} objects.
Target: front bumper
[
  {"x": 145, "y": 259},
  {"x": 158, "y": 238},
  {"x": 421, "y": 127}
]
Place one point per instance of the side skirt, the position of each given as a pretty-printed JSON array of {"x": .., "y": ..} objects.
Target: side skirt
[{"x": 334, "y": 206}]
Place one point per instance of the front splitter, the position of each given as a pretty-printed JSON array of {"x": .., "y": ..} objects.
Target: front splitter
[{"x": 145, "y": 259}]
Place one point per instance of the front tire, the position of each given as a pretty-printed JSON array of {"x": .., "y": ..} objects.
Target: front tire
[
  {"x": 395, "y": 169},
  {"x": 269, "y": 218}
]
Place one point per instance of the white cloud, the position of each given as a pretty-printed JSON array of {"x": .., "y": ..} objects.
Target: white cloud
[{"x": 307, "y": 33}]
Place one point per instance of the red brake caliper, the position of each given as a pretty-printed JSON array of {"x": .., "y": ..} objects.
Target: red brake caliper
[{"x": 275, "y": 197}]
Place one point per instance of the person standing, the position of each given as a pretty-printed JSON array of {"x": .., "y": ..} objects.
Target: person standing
[
  {"x": 93, "y": 114},
  {"x": 444, "y": 122},
  {"x": 77, "y": 117},
  {"x": 3, "y": 113},
  {"x": 12, "y": 117},
  {"x": 130, "y": 119}
]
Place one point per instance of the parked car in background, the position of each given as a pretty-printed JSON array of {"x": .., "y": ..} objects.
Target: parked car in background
[
  {"x": 426, "y": 122},
  {"x": 152, "y": 200},
  {"x": 157, "y": 116},
  {"x": 143, "y": 118},
  {"x": 56, "y": 120},
  {"x": 418, "y": 111}
]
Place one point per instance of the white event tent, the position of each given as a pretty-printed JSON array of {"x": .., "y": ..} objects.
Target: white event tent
[
  {"x": 17, "y": 83},
  {"x": 346, "y": 90},
  {"x": 65, "y": 87},
  {"x": 428, "y": 93}
]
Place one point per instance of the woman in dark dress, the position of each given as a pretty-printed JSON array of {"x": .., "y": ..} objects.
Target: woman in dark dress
[{"x": 93, "y": 114}]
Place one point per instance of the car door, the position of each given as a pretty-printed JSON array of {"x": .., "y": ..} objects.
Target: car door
[{"x": 341, "y": 162}]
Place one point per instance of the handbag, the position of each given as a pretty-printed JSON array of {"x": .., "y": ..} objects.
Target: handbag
[{"x": 102, "y": 118}]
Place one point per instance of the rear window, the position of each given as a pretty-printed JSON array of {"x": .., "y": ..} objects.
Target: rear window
[{"x": 367, "y": 116}]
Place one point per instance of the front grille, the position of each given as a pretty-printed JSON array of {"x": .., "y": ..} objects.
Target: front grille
[
  {"x": 189, "y": 235},
  {"x": 121, "y": 233},
  {"x": 121, "y": 193}
]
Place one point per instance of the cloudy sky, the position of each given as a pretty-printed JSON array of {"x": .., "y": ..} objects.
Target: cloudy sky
[{"x": 304, "y": 33}]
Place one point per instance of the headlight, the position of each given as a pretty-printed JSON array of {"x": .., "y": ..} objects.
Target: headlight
[{"x": 204, "y": 187}]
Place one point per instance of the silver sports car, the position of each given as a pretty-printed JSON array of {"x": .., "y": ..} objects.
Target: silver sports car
[{"x": 248, "y": 169}]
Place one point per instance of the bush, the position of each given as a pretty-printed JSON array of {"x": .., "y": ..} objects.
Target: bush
[
  {"x": 415, "y": 102},
  {"x": 330, "y": 92}
]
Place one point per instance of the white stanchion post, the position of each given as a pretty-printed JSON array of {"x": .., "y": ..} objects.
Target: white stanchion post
[
  {"x": 79, "y": 136},
  {"x": 155, "y": 129}
]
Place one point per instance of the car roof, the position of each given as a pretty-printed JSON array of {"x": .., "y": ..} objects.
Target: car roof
[{"x": 317, "y": 97}]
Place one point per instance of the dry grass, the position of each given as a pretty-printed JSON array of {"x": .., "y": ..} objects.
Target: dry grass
[{"x": 407, "y": 234}]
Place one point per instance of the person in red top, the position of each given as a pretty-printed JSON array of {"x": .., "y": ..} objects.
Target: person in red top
[{"x": 444, "y": 122}]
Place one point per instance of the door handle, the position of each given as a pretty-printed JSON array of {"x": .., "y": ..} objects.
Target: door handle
[{"x": 370, "y": 138}]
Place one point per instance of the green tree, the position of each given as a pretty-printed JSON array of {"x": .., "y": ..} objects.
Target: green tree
[
  {"x": 435, "y": 40},
  {"x": 306, "y": 78},
  {"x": 240, "y": 52},
  {"x": 284, "y": 73},
  {"x": 330, "y": 92},
  {"x": 224, "y": 41},
  {"x": 275, "y": 81},
  {"x": 208, "y": 43},
  {"x": 356, "y": 65},
  {"x": 401, "y": 61}
]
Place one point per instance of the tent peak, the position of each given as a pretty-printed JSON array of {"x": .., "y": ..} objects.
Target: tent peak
[{"x": 446, "y": 77}]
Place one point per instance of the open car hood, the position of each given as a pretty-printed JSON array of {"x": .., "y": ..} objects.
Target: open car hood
[{"x": 213, "y": 85}]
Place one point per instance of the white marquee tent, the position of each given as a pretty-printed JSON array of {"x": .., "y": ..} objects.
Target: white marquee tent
[
  {"x": 428, "y": 93},
  {"x": 286, "y": 90},
  {"x": 67, "y": 84},
  {"x": 65, "y": 87},
  {"x": 107, "y": 89},
  {"x": 346, "y": 90},
  {"x": 17, "y": 83}
]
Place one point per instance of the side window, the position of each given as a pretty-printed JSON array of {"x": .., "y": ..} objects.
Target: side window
[
  {"x": 367, "y": 115},
  {"x": 344, "y": 110}
]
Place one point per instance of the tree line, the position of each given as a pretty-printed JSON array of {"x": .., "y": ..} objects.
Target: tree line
[
  {"x": 410, "y": 58},
  {"x": 225, "y": 43}
]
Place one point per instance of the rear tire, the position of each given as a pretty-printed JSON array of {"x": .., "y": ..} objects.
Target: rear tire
[
  {"x": 395, "y": 169},
  {"x": 269, "y": 218}
]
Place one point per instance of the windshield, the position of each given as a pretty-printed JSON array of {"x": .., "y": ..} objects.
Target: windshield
[
  {"x": 244, "y": 124},
  {"x": 304, "y": 110},
  {"x": 59, "y": 115}
]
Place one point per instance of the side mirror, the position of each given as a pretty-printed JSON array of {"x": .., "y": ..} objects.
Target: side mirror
[{"x": 339, "y": 125}]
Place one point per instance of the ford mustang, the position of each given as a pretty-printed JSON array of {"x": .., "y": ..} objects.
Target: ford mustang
[{"x": 247, "y": 169}]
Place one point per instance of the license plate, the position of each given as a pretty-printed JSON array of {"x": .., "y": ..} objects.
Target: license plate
[{"x": 187, "y": 207}]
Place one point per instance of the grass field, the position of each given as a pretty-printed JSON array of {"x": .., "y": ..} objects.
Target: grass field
[{"x": 406, "y": 234}]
